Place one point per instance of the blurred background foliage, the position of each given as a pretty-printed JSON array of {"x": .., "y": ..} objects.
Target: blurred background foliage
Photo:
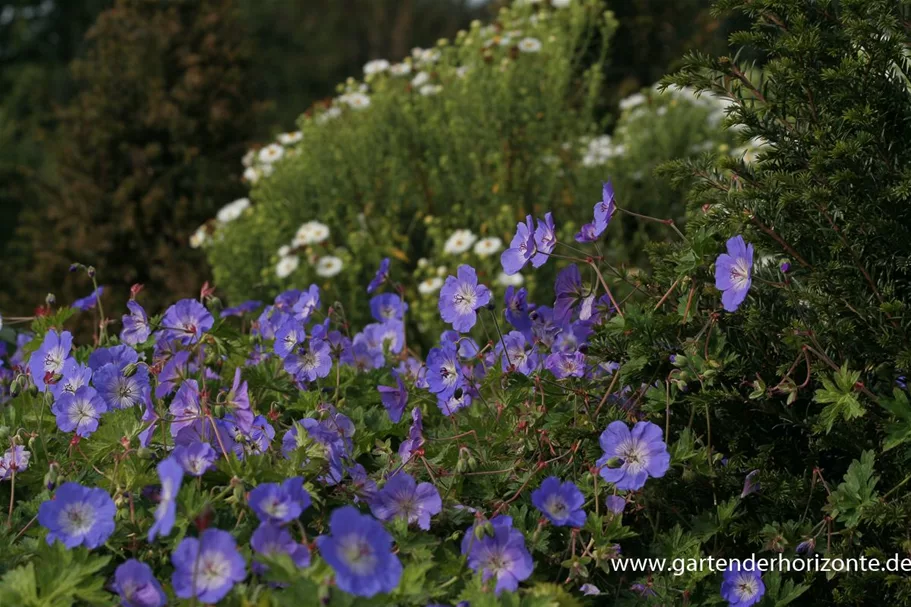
[{"x": 284, "y": 55}]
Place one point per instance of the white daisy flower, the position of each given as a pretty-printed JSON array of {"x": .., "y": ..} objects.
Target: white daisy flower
[
  {"x": 286, "y": 266},
  {"x": 328, "y": 266},
  {"x": 429, "y": 56},
  {"x": 429, "y": 90},
  {"x": 459, "y": 242},
  {"x": 284, "y": 251},
  {"x": 430, "y": 285},
  {"x": 312, "y": 232},
  {"x": 330, "y": 114},
  {"x": 504, "y": 279},
  {"x": 357, "y": 101},
  {"x": 375, "y": 67},
  {"x": 462, "y": 70},
  {"x": 232, "y": 210},
  {"x": 632, "y": 101},
  {"x": 529, "y": 45},
  {"x": 488, "y": 246},
  {"x": 420, "y": 79},
  {"x": 271, "y": 153},
  {"x": 199, "y": 237},
  {"x": 290, "y": 138},
  {"x": 251, "y": 174},
  {"x": 423, "y": 262},
  {"x": 248, "y": 158},
  {"x": 400, "y": 69},
  {"x": 560, "y": 3},
  {"x": 442, "y": 271}
]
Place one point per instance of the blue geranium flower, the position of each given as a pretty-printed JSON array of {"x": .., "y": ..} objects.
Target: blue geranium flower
[
  {"x": 444, "y": 373},
  {"x": 381, "y": 276},
  {"x": 78, "y": 516},
  {"x": 545, "y": 241},
  {"x": 73, "y": 376},
  {"x": 309, "y": 361},
  {"x": 186, "y": 321},
  {"x": 120, "y": 391},
  {"x": 79, "y": 411},
  {"x": 733, "y": 273},
  {"x": 137, "y": 586},
  {"x": 171, "y": 475},
  {"x": 640, "y": 454},
  {"x": 207, "y": 568},
  {"x": 388, "y": 306},
  {"x": 415, "y": 438},
  {"x": 742, "y": 585},
  {"x": 402, "y": 497},
  {"x": 89, "y": 301},
  {"x": 279, "y": 504},
  {"x": 394, "y": 398},
  {"x": 271, "y": 540},
  {"x": 461, "y": 297},
  {"x": 521, "y": 248},
  {"x": 560, "y": 503},
  {"x": 502, "y": 555},
  {"x": 515, "y": 356},
  {"x": 195, "y": 459},
  {"x": 135, "y": 325},
  {"x": 48, "y": 359},
  {"x": 359, "y": 550}
]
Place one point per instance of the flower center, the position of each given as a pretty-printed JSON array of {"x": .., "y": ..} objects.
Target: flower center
[
  {"x": 83, "y": 411},
  {"x": 213, "y": 570},
  {"x": 497, "y": 563},
  {"x": 465, "y": 299},
  {"x": 358, "y": 554},
  {"x": 77, "y": 518},
  {"x": 309, "y": 360},
  {"x": 746, "y": 587},
  {"x": 53, "y": 361},
  {"x": 740, "y": 272},
  {"x": 556, "y": 506},
  {"x": 634, "y": 455},
  {"x": 275, "y": 507}
]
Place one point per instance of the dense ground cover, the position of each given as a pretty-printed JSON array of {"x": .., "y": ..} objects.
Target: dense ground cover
[{"x": 745, "y": 397}]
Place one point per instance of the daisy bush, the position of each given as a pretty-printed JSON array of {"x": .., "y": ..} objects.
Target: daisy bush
[
  {"x": 744, "y": 400},
  {"x": 430, "y": 160}
]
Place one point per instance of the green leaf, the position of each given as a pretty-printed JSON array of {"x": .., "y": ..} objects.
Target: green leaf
[
  {"x": 899, "y": 431},
  {"x": 848, "y": 502},
  {"x": 839, "y": 397}
]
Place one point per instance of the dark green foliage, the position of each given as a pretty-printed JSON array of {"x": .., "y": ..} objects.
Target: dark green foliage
[
  {"x": 799, "y": 382},
  {"x": 148, "y": 148}
]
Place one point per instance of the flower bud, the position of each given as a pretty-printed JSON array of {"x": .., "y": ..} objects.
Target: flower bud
[
  {"x": 483, "y": 530},
  {"x": 50, "y": 299},
  {"x": 144, "y": 453},
  {"x": 614, "y": 462},
  {"x": 52, "y": 476}
]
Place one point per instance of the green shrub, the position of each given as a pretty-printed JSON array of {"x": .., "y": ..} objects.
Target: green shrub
[{"x": 495, "y": 132}]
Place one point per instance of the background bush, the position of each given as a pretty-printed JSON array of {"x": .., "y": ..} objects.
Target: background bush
[
  {"x": 503, "y": 132},
  {"x": 147, "y": 147}
]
